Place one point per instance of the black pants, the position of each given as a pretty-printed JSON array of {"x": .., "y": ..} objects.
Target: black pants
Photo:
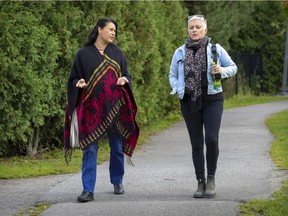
[{"x": 207, "y": 117}]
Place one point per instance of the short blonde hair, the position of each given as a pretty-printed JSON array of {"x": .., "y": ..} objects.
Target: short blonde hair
[{"x": 198, "y": 17}]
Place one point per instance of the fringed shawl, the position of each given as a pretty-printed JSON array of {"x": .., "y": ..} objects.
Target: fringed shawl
[{"x": 102, "y": 105}]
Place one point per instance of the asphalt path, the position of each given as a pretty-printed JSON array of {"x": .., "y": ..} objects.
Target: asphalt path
[{"x": 163, "y": 181}]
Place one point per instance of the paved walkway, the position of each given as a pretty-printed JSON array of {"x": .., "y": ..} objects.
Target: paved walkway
[{"x": 163, "y": 180}]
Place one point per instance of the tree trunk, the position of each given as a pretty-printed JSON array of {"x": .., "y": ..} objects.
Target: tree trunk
[{"x": 32, "y": 147}]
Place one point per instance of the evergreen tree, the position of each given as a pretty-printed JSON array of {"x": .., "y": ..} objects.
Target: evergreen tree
[
  {"x": 28, "y": 59},
  {"x": 38, "y": 42},
  {"x": 265, "y": 33}
]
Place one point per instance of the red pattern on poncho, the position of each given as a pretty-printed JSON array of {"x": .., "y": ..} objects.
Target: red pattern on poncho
[{"x": 102, "y": 105}]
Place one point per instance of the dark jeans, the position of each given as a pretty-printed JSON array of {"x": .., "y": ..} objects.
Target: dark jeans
[{"x": 208, "y": 117}]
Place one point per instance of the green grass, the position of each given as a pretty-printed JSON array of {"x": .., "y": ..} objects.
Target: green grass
[
  {"x": 34, "y": 211},
  {"x": 278, "y": 125},
  {"x": 246, "y": 100},
  {"x": 51, "y": 163},
  {"x": 48, "y": 163},
  {"x": 277, "y": 206}
]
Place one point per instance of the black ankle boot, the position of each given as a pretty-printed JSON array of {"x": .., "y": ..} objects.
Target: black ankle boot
[
  {"x": 86, "y": 197},
  {"x": 200, "y": 193},
  {"x": 118, "y": 189}
]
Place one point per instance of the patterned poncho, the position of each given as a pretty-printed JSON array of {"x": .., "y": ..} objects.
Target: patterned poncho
[{"x": 102, "y": 105}]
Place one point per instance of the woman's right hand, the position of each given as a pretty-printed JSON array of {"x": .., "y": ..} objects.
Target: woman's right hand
[{"x": 81, "y": 83}]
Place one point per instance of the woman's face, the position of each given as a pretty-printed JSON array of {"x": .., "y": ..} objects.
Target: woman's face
[
  {"x": 196, "y": 30},
  {"x": 108, "y": 33}
]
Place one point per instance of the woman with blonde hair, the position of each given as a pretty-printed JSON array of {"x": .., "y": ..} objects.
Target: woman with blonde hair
[{"x": 193, "y": 74}]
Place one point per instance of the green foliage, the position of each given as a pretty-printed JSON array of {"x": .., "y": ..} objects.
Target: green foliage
[
  {"x": 222, "y": 28},
  {"x": 28, "y": 56},
  {"x": 264, "y": 32},
  {"x": 38, "y": 43},
  {"x": 149, "y": 46},
  {"x": 224, "y": 18},
  {"x": 249, "y": 27}
]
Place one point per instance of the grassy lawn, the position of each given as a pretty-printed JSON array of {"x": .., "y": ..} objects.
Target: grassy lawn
[
  {"x": 277, "y": 206},
  {"x": 240, "y": 100},
  {"x": 48, "y": 163}
]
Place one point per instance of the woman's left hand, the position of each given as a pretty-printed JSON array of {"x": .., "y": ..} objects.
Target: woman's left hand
[{"x": 121, "y": 81}]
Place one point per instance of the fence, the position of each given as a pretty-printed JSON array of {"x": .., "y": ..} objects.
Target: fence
[{"x": 250, "y": 68}]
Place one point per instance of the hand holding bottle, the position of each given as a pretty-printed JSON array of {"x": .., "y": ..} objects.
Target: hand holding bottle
[
  {"x": 216, "y": 69},
  {"x": 216, "y": 75}
]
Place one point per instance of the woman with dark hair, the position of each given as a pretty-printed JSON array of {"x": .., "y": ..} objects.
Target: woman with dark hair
[
  {"x": 100, "y": 104},
  {"x": 94, "y": 33}
]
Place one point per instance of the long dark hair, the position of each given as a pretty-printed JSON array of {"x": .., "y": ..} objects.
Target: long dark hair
[{"x": 94, "y": 33}]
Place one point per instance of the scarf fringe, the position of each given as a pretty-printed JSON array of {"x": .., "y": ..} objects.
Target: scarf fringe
[{"x": 129, "y": 160}]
